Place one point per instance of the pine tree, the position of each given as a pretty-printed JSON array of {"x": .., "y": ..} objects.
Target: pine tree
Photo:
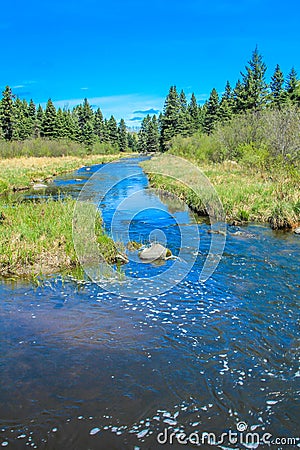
[
  {"x": 143, "y": 135},
  {"x": 21, "y": 129},
  {"x": 7, "y": 114},
  {"x": 99, "y": 125},
  {"x": 132, "y": 140},
  {"x": 122, "y": 136},
  {"x": 39, "y": 121},
  {"x": 32, "y": 117},
  {"x": 183, "y": 117},
  {"x": 293, "y": 87},
  {"x": 49, "y": 121},
  {"x": 69, "y": 125},
  {"x": 212, "y": 112},
  {"x": 194, "y": 114},
  {"x": 291, "y": 82},
  {"x": 60, "y": 130},
  {"x": 226, "y": 104},
  {"x": 88, "y": 136},
  {"x": 153, "y": 135},
  {"x": 277, "y": 95},
  {"x": 254, "y": 86},
  {"x": 238, "y": 98},
  {"x": 169, "y": 119},
  {"x": 112, "y": 130}
]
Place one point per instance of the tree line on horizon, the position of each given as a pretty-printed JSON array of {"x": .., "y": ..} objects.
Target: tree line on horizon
[{"x": 20, "y": 120}]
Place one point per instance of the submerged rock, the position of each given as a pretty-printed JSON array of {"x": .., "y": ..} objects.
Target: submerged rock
[
  {"x": 155, "y": 252},
  {"x": 297, "y": 230}
]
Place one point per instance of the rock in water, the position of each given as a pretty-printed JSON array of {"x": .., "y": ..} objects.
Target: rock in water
[
  {"x": 297, "y": 230},
  {"x": 154, "y": 252}
]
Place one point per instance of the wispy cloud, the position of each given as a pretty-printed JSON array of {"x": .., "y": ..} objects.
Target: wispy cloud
[
  {"x": 19, "y": 86},
  {"x": 84, "y": 88},
  {"x": 147, "y": 111}
]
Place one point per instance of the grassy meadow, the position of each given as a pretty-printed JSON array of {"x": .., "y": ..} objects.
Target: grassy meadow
[
  {"x": 248, "y": 193},
  {"x": 36, "y": 236}
]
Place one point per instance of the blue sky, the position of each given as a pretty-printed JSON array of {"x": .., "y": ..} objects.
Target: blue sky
[{"x": 124, "y": 55}]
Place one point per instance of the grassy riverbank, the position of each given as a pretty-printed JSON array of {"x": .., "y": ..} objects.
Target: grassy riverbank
[
  {"x": 36, "y": 237},
  {"x": 22, "y": 172},
  {"x": 247, "y": 193}
]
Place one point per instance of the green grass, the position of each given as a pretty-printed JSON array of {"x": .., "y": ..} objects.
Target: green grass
[
  {"x": 247, "y": 194},
  {"x": 36, "y": 238},
  {"x": 23, "y": 172}
]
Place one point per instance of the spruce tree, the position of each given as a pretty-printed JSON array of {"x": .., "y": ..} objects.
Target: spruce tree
[
  {"x": 7, "y": 114},
  {"x": 293, "y": 87},
  {"x": 254, "y": 86},
  {"x": 132, "y": 140},
  {"x": 49, "y": 121},
  {"x": 194, "y": 115},
  {"x": 169, "y": 119},
  {"x": 122, "y": 136},
  {"x": 226, "y": 104},
  {"x": 88, "y": 136},
  {"x": 238, "y": 98},
  {"x": 39, "y": 121},
  {"x": 277, "y": 95},
  {"x": 212, "y": 112},
  {"x": 143, "y": 135},
  {"x": 183, "y": 117},
  {"x": 153, "y": 135},
  {"x": 112, "y": 130},
  {"x": 99, "y": 125}
]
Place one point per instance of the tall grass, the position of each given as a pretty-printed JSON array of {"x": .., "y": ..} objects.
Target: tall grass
[{"x": 36, "y": 237}]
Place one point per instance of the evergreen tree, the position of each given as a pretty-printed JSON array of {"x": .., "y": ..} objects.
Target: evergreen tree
[
  {"x": 88, "y": 136},
  {"x": 69, "y": 125},
  {"x": 277, "y": 95},
  {"x": 153, "y": 135},
  {"x": 122, "y": 136},
  {"x": 32, "y": 118},
  {"x": 21, "y": 129},
  {"x": 39, "y": 122},
  {"x": 212, "y": 112},
  {"x": 132, "y": 141},
  {"x": 226, "y": 104},
  {"x": 254, "y": 85},
  {"x": 143, "y": 135},
  {"x": 99, "y": 125},
  {"x": 293, "y": 87},
  {"x": 194, "y": 115},
  {"x": 238, "y": 100},
  {"x": 60, "y": 130},
  {"x": 183, "y": 117},
  {"x": 49, "y": 121},
  {"x": 169, "y": 119},
  {"x": 7, "y": 114},
  {"x": 112, "y": 130}
]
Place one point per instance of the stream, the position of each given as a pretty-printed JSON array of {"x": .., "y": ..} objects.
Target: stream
[{"x": 84, "y": 366}]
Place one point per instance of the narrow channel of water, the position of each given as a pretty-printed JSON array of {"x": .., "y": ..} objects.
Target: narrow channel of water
[{"x": 82, "y": 368}]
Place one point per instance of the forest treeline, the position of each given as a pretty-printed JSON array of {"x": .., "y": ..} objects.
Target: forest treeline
[
  {"x": 254, "y": 119},
  {"x": 254, "y": 114}
]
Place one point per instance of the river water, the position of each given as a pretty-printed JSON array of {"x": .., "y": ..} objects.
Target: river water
[{"x": 84, "y": 368}]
